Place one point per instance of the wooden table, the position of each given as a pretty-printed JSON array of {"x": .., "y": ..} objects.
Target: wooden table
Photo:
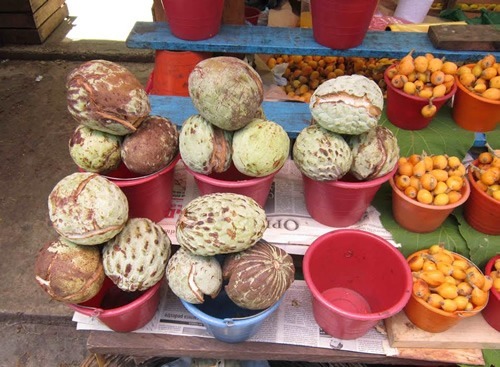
[{"x": 160, "y": 345}]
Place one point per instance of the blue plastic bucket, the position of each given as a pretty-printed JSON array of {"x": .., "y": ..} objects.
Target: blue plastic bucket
[{"x": 228, "y": 322}]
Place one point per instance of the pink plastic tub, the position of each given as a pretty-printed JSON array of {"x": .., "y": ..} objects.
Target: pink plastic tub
[
  {"x": 235, "y": 182},
  {"x": 340, "y": 203},
  {"x": 148, "y": 196},
  {"x": 119, "y": 310},
  {"x": 356, "y": 279}
]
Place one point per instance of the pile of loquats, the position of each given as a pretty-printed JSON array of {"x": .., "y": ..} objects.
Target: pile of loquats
[
  {"x": 424, "y": 76},
  {"x": 482, "y": 78},
  {"x": 431, "y": 179},
  {"x": 487, "y": 173},
  {"x": 448, "y": 281}
]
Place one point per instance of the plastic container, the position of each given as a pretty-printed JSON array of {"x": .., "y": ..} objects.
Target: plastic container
[
  {"x": 194, "y": 20},
  {"x": 422, "y": 218},
  {"x": 228, "y": 322},
  {"x": 305, "y": 14},
  {"x": 413, "y": 11},
  {"x": 119, "y": 310},
  {"x": 148, "y": 196},
  {"x": 404, "y": 111},
  {"x": 340, "y": 203},
  {"x": 481, "y": 211},
  {"x": 340, "y": 24},
  {"x": 491, "y": 312},
  {"x": 356, "y": 279},
  {"x": 171, "y": 71},
  {"x": 252, "y": 15},
  {"x": 473, "y": 112},
  {"x": 432, "y": 319},
  {"x": 235, "y": 182}
]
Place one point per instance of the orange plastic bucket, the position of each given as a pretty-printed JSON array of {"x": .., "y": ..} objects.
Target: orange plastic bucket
[
  {"x": 491, "y": 312},
  {"x": 473, "y": 112},
  {"x": 171, "y": 72},
  {"x": 194, "y": 20},
  {"x": 422, "y": 218},
  {"x": 481, "y": 211},
  {"x": 341, "y": 24}
]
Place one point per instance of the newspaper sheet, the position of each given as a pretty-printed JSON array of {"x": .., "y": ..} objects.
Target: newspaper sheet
[
  {"x": 290, "y": 225},
  {"x": 292, "y": 323}
]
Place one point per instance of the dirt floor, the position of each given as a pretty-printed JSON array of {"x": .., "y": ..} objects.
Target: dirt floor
[{"x": 34, "y": 131}]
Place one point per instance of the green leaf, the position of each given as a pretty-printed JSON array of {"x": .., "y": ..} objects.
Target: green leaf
[
  {"x": 482, "y": 247},
  {"x": 442, "y": 136},
  {"x": 493, "y": 137},
  {"x": 491, "y": 358}
]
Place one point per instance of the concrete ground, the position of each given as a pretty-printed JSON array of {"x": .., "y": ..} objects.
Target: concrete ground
[{"x": 34, "y": 131}]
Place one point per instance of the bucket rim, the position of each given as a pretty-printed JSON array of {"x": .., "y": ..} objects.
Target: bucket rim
[
  {"x": 225, "y": 322},
  {"x": 124, "y": 182},
  {"x": 101, "y": 313}
]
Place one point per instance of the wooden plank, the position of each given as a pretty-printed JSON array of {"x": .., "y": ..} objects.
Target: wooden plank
[
  {"x": 34, "y": 36},
  {"x": 30, "y": 20},
  {"x": 277, "y": 40},
  {"x": 472, "y": 332},
  {"x": 458, "y": 356},
  {"x": 14, "y": 6},
  {"x": 161, "y": 345},
  {"x": 478, "y": 37}
]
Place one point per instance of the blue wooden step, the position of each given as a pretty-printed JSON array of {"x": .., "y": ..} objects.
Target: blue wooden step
[{"x": 290, "y": 41}]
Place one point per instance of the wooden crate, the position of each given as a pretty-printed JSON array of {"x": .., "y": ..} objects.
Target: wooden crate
[{"x": 30, "y": 21}]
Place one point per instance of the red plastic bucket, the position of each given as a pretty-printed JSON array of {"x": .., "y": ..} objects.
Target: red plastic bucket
[
  {"x": 119, "y": 310},
  {"x": 341, "y": 24},
  {"x": 356, "y": 279},
  {"x": 148, "y": 196},
  {"x": 340, "y": 203},
  {"x": 404, "y": 111},
  {"x": 252, "y": 15},
  {"x": 491, "y": 312},
  {"x": 171, "y": 71},
  {"x": 235, "y": 182},
  {"x": 194, "y": 20}
]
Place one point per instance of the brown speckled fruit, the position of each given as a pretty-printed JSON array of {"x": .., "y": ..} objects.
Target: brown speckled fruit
[
  {"x": 152, "y": 147},
  {"x": 68, "y": 272}
]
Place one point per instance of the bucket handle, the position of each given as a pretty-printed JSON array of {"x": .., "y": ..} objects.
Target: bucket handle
[
  {"x": 96, "y": 311},
  {"x": 229, "y": 322}
]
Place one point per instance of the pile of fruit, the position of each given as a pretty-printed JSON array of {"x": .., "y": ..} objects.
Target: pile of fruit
[
  {"x": 424, "y": 76},
  {"x": 448, "y": 281},
  {"x": 431, "y": 179},
  {"x": 305, "y": 73},
  {"x": 483, "y": 78},
  {"x": 487, "y": 173},
  {"x": 495, "y": 275}
]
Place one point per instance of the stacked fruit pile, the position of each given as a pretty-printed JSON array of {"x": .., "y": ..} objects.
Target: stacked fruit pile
[
  {"x": 431, "y": 179},
  {"x": 448, "y": 281},
  {"x": 487, "y": 173},
  {"x": 482, "y": 78},
  {"x": 495, "y": 275},
  {"x": 305, "y": 73},
  {"x": 424, "y": 76}
]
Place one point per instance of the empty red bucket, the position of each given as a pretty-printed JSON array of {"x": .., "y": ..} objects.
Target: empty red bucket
[
  {"x": 148, "y": 196},
  {"x": 235, "y": 182},
  {"x": 343, "y": 202},
  {"x": 356, "y": 279},
  {"x": 340, "y": 24},
  {"x": 194, "y": 20},
  {"x": 119, "y": 310},
  {"x": 404, "y": 110}
]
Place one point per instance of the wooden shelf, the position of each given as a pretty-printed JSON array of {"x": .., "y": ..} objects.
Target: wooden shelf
[{"x": 295, "y": 41}]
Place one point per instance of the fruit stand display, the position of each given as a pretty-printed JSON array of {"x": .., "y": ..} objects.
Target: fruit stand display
[{"x": 228, "y": 227}]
